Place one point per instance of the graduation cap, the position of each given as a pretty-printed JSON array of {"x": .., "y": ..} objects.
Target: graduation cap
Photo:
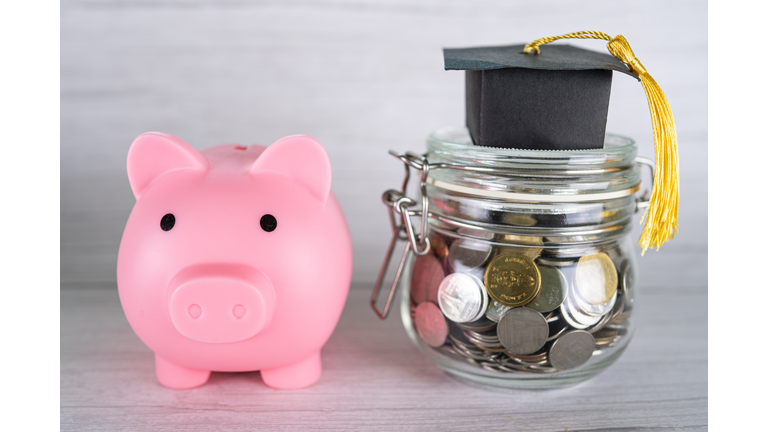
[
  {"x": 557, "y": 100},
  {"x": 556, "y": 97}
]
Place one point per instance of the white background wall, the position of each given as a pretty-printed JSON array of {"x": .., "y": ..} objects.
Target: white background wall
[{"x": 361, "y": 76}]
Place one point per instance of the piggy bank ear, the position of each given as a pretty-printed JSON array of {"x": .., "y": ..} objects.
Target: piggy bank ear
[
  {"x": 301, "y": 158},
  {"x": 153, "y": 154}
]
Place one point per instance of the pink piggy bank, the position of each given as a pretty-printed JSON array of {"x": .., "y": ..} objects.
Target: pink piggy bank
[{"x": 233, "y": 259}]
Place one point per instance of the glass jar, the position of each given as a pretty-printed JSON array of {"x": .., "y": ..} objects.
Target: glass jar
[{"x": 526, "y": 276}]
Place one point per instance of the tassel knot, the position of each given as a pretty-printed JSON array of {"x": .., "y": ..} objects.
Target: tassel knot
[{"x": 620, "y": 49}]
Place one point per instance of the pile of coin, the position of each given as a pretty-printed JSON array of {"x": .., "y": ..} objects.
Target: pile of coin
[{"x": 520, "y": 309}]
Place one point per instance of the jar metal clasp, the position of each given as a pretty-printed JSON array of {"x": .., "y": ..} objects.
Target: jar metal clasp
[{"x": 399, "y": 204}]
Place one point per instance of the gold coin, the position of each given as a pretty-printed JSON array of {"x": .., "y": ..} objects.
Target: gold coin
[
  {"x": 512, "y": 280},
  {"x": 596, "y": 278}
]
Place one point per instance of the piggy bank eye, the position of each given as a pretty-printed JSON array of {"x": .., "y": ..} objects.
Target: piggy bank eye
[
  {"x": 268, "y": 223},
  {"x": 167, "y": 222}
]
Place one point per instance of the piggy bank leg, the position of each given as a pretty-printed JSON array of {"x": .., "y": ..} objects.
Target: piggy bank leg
[
  {"x": 296, "y": 376},
  {"x": 178, "y": 377}
]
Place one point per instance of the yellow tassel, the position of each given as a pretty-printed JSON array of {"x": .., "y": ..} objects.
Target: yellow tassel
[{"x": 661, "y": 222}]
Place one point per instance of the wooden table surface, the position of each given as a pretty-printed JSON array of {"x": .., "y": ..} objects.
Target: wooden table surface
[{"x": 375, "y": 379}]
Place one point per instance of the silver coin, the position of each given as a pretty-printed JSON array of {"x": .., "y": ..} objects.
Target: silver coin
[
  {"x": 478, "y": 272},
  {"x": 606, "y": 338},
  {"x": 575, "y": 317},
  {"x": 430, "y": 324},
  {"x": 595, "y": 310},
  {"x": 426, "y": 278},
  {"x": 467, "y": 255},
  {"x": 479, "y": 325},
  {"x": 618, "y": 308},
  {"x": 455, "y": 332},
  {"x": 554, "y": 286},
  {"x": 491, "y": 338},
  {"x": 538, "y": 358},
  {"x": 627, "y": 277},
  {"x": 462, "y": 297},
  {"x": 469, "y": 351},
  {"x": 523, "y": 331},
  {"x": 496, "y": 310},
  {"x": 627, "y": 284},
  {"x": 571, "y": 350},
  {"x": 492, "y": 345},
  {"x": 491, "y": 349},
  {"x": 556, "y": 262}
]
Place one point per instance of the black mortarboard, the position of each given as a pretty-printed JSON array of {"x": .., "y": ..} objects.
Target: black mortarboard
[{"x": 555, "y": 100}]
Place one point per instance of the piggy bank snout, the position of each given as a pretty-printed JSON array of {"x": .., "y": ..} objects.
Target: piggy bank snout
[{"x": 221, "y": 304}]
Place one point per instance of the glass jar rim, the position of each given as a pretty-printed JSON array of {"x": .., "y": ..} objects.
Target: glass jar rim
[{"x": 456, "y": 141}]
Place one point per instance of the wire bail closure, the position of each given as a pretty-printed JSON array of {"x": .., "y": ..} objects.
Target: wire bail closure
[{"x": 399, "y": 204}]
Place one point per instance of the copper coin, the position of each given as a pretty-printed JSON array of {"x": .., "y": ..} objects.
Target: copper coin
[
  {"x": 437, "y": 243},
  {"x": 430, "y": 324},
  {"x": 426, "y": 278}
]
